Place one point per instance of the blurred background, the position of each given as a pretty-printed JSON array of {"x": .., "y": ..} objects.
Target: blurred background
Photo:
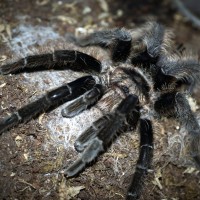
[{"x": 32, "y": 154}]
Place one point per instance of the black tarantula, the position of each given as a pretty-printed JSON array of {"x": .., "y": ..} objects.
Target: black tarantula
[{"x": 146, "y": 78}]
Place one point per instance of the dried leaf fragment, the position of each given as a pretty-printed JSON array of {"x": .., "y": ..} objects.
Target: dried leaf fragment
[
  {"x": 67, "y": 192},
  {"x": 191, "y": 170},
  {"x": 156, "y": 181}
]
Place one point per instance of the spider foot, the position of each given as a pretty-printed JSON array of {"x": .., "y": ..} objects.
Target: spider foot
[
  {"x": 98, "y": 136},
  {"x": 90, "y": 153},
  {"x": 82, "y": 103},
  {"x": 64, "y": 93}
]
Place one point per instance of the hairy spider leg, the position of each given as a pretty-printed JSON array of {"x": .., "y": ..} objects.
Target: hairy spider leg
[
  {"x": 144, "y": 160},
  {"x": 151, "y": 38},
  {"x": 59, "y": 59},
  {"x": 188, "y": 119},
  {"x": 84, "y": 102},
  {"x": 117, "y": 40},
  {"x": 84, "y": 139},
  {"x": 147, "y": 41},
  {"x": 60, "y": 95},
  {"x": 178, "y": 71},
  {"x": 180, "y": 49},
  {"x": 180, "y": 108},
  {"x": 101, "y": 134},
  {"x": 163, "y": 81}
]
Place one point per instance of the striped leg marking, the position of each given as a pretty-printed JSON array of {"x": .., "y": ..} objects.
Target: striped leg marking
[
  {"x": 144, "y": 161},
  {"x": 60, "y": 59},
  {"x": 57, "y": 96},
  {"x": 97, "y": 137}
]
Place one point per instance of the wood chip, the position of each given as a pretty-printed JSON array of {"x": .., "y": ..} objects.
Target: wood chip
[
  {"x": 66, "y": 19},
  {"x": 2, "y": 85},
  {"x": 18, "y": 141}
]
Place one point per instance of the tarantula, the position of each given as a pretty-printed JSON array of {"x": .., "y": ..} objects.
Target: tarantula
[{"x": 146, "y": 78}]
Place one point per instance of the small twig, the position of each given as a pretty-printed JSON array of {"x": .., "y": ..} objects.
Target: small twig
[{"x": 23, "y": 181}]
